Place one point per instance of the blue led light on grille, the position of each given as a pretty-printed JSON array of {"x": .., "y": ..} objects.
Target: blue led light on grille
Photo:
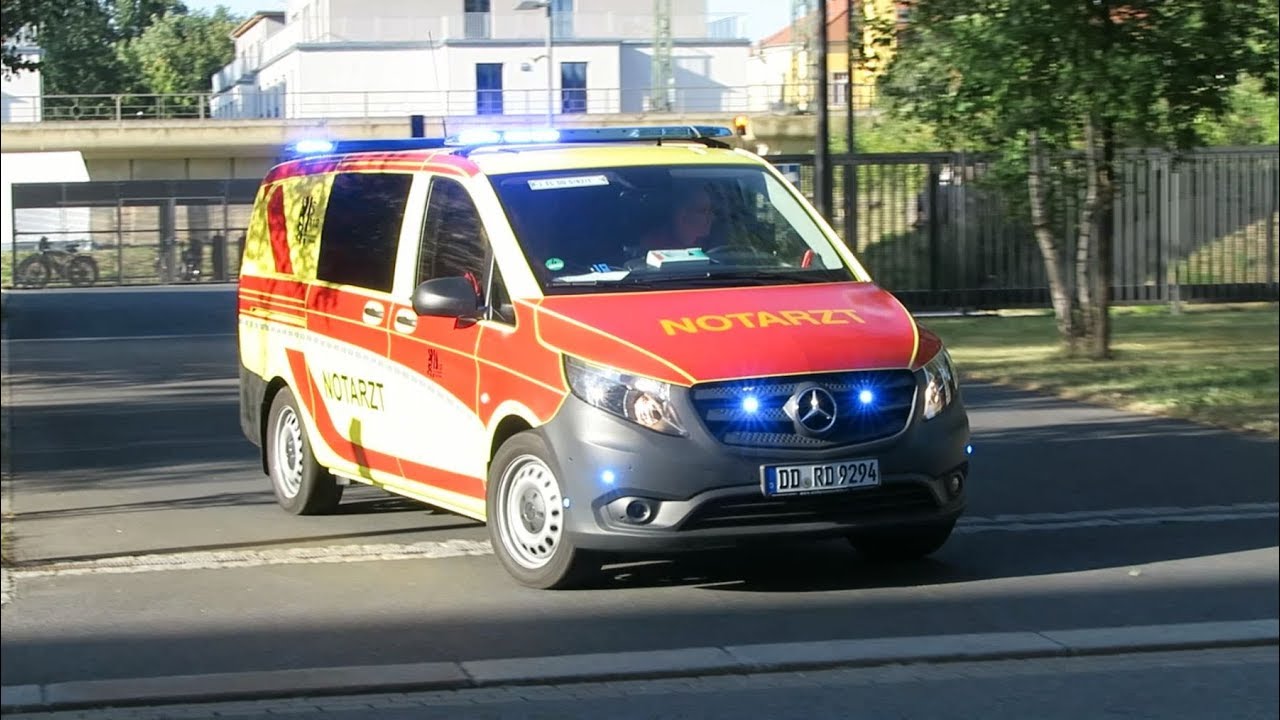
[
  {"x": 750, "y": 404},
  {"x": 866, "y": 397}
]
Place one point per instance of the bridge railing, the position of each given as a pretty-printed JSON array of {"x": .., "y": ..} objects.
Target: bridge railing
[{"x": 247, "y": 102}]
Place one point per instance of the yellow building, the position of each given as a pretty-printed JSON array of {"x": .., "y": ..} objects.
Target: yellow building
[{"x": 786, "y": 56}]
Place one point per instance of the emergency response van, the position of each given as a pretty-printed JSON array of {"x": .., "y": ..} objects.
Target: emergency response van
[{"x": 600, "y": 342}]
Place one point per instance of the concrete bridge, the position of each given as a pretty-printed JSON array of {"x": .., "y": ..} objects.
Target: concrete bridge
[{"x": 179, "y": 149}]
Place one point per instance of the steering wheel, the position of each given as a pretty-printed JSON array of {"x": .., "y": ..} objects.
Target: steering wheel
[{"x": 730, "y": 255}]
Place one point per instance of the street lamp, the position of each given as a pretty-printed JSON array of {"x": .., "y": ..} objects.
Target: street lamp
[{"x": 540, "y": 5}]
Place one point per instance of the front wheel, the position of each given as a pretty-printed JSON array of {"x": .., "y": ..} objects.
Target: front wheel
[
  {"x": 301, "y": 485},
  {"x": 902, "y": 544},
  {"x": 82, "y": 271},
  {"x": 526, "y": 517}
]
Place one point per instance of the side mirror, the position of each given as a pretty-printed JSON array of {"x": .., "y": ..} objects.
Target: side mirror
[{"x": 447, "y": 297}]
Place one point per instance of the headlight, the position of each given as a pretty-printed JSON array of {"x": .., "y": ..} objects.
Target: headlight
[
  {"x": 641, "y": 400},
  {"x": 940, "y": 384}
]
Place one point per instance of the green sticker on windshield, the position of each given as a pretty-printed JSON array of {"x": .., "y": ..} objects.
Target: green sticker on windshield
[{"x": 555, "y": 264}]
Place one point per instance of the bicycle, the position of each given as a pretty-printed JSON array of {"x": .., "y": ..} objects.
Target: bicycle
[
  {"x": 36, "y": 271},
  {"x": 190, "y": 268}
]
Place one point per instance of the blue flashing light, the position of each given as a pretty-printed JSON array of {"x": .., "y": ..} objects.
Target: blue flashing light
[
  {"x": 750, "y": 404},
  {"x": 866, "y": 397},
  {"x": 581, "y": 135},
  {"x": 607, "y": 477},
  {"x": 531, "y": 136},
  {"x": 313, "y": 146},
  {"x": 968, "y": 449},
  {"x": 476, "y": 137}
]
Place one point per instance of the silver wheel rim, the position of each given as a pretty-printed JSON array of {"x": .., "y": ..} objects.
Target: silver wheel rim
[
  {"x": 530, "y": 512},
  {"x": 288, "y": 456}
]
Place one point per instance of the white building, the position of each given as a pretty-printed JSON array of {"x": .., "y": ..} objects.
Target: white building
[
  {"x": 20, "y": 93},
  {"x": 368, "y": 58}
]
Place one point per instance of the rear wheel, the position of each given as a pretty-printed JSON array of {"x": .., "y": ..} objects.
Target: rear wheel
[
  {"x": 33, "y": 272},
  {"x": 301, "y": 485},
  {"x": 902, "y": 544},
  {"x": 526, "y": 517}
]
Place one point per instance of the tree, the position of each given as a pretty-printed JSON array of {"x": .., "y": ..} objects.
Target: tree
[
  {"x": 1035, "y": 79},
  {"x": 76, "y": 39},
  {"x": 180, "y": 51},
  {"x": 18, "y": 22},
  {"x": 131, "y": 18}
]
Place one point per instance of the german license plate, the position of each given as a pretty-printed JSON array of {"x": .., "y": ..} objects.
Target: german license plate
[{"x": 808, "y": 478}]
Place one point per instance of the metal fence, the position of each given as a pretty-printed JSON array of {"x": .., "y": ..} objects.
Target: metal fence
[
  {"x": 937, "y": 229},
  {"x": 931, "y": 227},
  {"x": 127, "y": 232}
]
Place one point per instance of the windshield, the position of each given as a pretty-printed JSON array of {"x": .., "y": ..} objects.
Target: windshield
[{"x": 635, "y": 228}]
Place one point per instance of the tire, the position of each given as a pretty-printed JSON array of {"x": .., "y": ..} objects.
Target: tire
[
  {"x": 526, "y": 516},
  {"x": 82, "y": 271},
  {"x": 904, "y": 544},
  {"x": 33, "y": 272},
  {"x": 301, "y": 485}
]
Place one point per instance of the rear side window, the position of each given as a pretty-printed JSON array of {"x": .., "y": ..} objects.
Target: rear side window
[{"x": 361, "y": 229}]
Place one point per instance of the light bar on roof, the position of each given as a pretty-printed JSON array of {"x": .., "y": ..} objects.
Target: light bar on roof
[{"x": 582, "y": 135}]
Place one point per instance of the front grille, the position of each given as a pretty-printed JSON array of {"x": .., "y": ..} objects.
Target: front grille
[
  {"x": 721, "y": 407},
  {"x": 838, "y": 507}
]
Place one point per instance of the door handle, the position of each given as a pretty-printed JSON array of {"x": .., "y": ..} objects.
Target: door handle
[
  {"x": 373, "y": 313},
  {"x": 406, "y": 321}
]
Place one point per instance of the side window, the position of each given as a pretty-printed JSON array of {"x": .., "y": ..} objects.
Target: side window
[
  {"x": 454, "y": 243},
  {"x": 500, "y": 308},
  {"x": 361, "y": 228}
]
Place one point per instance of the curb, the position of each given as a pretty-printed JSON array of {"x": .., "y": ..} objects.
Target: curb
[{"x": 730, "y": 659}]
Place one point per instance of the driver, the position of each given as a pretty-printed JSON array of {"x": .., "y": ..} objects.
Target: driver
[{"x": 688, "y": 226}]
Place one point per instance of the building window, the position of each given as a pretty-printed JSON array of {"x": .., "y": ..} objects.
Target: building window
[
  {"x": 562, "y": 19},
  {"x": 361, "y": 228},
  {"x": 476, "y": 19},
  {"x": 488, "y": 88},
  {"x": 573, "y": 87},
  {"x": 839, "y": 88}
]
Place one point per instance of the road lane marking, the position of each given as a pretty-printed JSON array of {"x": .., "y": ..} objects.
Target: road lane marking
[{"x": 454, "y": 548}]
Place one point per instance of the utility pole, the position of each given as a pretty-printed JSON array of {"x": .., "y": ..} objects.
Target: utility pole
[
  {"x": 851, "y": 168},
  {"x": 662, "y": 75},
  {"x": 821, "y": 158}
]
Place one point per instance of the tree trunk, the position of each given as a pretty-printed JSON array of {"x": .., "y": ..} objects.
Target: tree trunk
[
  {"x": 1051, "y": 250},
  {"x": 1086, "y": 251},
  {"x": 1100, "y": 338}
]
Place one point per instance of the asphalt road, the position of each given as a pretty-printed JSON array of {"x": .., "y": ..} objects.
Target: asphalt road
[
  {"x": 148, "y": 542},
  {"x": 1234, "y": 683}
]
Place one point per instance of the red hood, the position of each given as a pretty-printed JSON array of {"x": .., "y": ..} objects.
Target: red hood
[{"x": 689, "y": 336}]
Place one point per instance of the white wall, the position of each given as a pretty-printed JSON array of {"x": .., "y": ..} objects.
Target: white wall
[
  {"x": 708, "y": 78},
  {"x": 767, "y": 73},
  {"x": 365, "y": 82},
  {"x": 20, "y": 94},
  {"x": 525, "y": 93},
  {"x": 59, "y": 224}
]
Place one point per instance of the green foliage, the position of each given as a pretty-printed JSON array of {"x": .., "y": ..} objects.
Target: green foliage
[
  {"x": 178, "y": 52},
  {"x": 1251, "y": 118},
  {"x": 988, "y": 71},
  {"x": 76, "y": 38},
  {"x": 16, "y": 18},
  {"x": 132, "y": 17},
  {"x": 119, "y": 46}
]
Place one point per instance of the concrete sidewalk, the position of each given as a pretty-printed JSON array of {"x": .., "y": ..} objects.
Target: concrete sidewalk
[{"x": 735, "y": 659}]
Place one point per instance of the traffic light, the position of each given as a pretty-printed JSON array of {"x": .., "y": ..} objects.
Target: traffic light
[{"x": 740, "y": 125}]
